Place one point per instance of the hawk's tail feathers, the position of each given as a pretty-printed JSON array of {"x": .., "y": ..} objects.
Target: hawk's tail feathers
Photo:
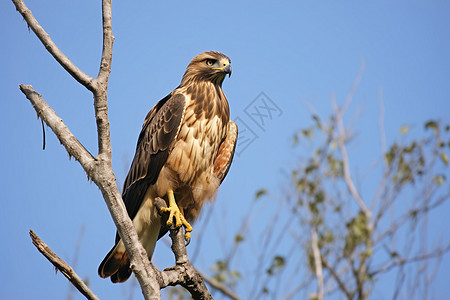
[{"x": 116, "y": 264}]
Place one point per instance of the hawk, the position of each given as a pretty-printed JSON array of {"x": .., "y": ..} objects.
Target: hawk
[{"x": 183, "y": 154}]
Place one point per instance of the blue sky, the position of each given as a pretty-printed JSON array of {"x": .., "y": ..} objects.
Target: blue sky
[{"x": 296, "y": 52}]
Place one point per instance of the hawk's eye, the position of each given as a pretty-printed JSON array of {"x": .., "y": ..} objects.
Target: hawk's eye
[{"x": 210, "y": 62}]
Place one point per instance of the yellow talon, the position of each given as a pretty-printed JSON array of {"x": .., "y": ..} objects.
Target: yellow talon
[{"x": 174, "y": 212}]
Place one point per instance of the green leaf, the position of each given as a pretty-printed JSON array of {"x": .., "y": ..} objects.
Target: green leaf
[
  {"x": 358, "y": 233},
  {"x": 432, "y": 125},
  {"x": 327, "y": 238},
  {"x": 391, "y": 155},
  {"x": 317, "y": 120},
  {"x": 404, "y": 129},
  {"x": 444, "y": 158},
  {"x": 278, "y": 263},
  {"x": 319, "y": 197},
  {"x": 439, "y": 179},
  {"x": 311, "y": 168},
  {"x": 308, "y": 133},
  {"x": 238, "y": 238},
  {"x": 235, "y": 274},
  {"x": 313, "y": 297},
  {"x": 260, "y": 193},
  {"x": 219, "y": 266}
]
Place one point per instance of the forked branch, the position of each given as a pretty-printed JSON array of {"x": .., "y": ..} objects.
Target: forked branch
[
  {"x": 98, "y": 169},
  {"x": 183, "y": 273}
]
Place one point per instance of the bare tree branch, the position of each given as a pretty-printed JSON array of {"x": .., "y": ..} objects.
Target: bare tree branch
[
  {"x": 51, "y": 47},
  {"x": 65, "y": 136},
  {"x": 75, "y": 260},
  {"x": 99, "y": 169},
  {"x": 108, "y": 40},
  {"x": 317, "y": 263},
  {"x": 403, "y": 261},
  {"x": 219, "y": 286},
  {"x": 62, "y": 266},
  {"x": 101, "y": 89},
  {"x": 338, "y": 279},
  {"x": 354, "y": 87},
  {"x": 183, "y": 273},
  {"x": 345, "y": 160}
]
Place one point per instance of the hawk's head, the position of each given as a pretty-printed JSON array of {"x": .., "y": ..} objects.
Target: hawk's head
[{"x": 210, "y": 66}]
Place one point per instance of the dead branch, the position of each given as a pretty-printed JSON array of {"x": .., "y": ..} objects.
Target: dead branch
[
  {"x": 219, "y": 286},
  {"x": 98, "y": 169},
  {"x": 403, "y": 261},
  {"x": 346, "y": 165},
  {"x": 317, "y": 263},
  {"x": 51, "y": 47},
  {"x": 337, "y": 278},
  {"x": 339, "y": 112},
  {"x": 183, "y": 273},
  {"x": 62, "y": 266}
]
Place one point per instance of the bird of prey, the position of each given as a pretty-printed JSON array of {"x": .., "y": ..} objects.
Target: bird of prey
[{"x": 183, "y": 153}]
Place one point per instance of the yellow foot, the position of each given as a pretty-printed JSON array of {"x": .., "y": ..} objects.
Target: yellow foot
[{"x": 174, "y": 212}]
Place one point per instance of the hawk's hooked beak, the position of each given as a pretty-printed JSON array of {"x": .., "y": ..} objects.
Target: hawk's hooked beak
[{"x": 227, "y": 70}]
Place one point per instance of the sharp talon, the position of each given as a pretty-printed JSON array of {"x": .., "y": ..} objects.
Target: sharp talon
[{"x": 174, "y": 212}]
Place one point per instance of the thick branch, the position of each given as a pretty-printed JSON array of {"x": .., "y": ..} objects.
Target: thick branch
[
  {"x": 183, "y": 273},
  {"x": 51, "y": 47},
  {"x": 65, "y": 136},
  {"x": 108, "y": 40},
  {"x": 101, "y": 90},
  {"x": 62, "y": 266},
  {"x": 98, "y": 169},
  {"x": 101, "y": 173},
  {"x": 145, "y": 273}
]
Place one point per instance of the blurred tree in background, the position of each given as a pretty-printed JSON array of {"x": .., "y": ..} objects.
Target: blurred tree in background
[{"x": 332, "y": 238}]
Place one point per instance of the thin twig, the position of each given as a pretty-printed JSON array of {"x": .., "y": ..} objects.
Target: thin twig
[
  {"x": 339, "y": 112},
  {"x": 345, "y": 161},
  {"x": 75, "y": 259},
  {"x": 219, "y": 286},
  {"x": 354, "y": 87},
  {"x": 403, "y": 261},
  {"x": 381, "y": 120},
  {"x": 337, "y": 277},
  {"x": 381, "y": 186},
  {"x": 51, "y": 47},
  {"x": 62, "y": 266}
]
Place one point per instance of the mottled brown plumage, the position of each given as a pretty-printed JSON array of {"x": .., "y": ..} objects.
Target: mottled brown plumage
[{"x": 186, "y": 145}]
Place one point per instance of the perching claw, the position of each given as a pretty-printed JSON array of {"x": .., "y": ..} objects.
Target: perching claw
[{"x": 174, "y": 212}]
